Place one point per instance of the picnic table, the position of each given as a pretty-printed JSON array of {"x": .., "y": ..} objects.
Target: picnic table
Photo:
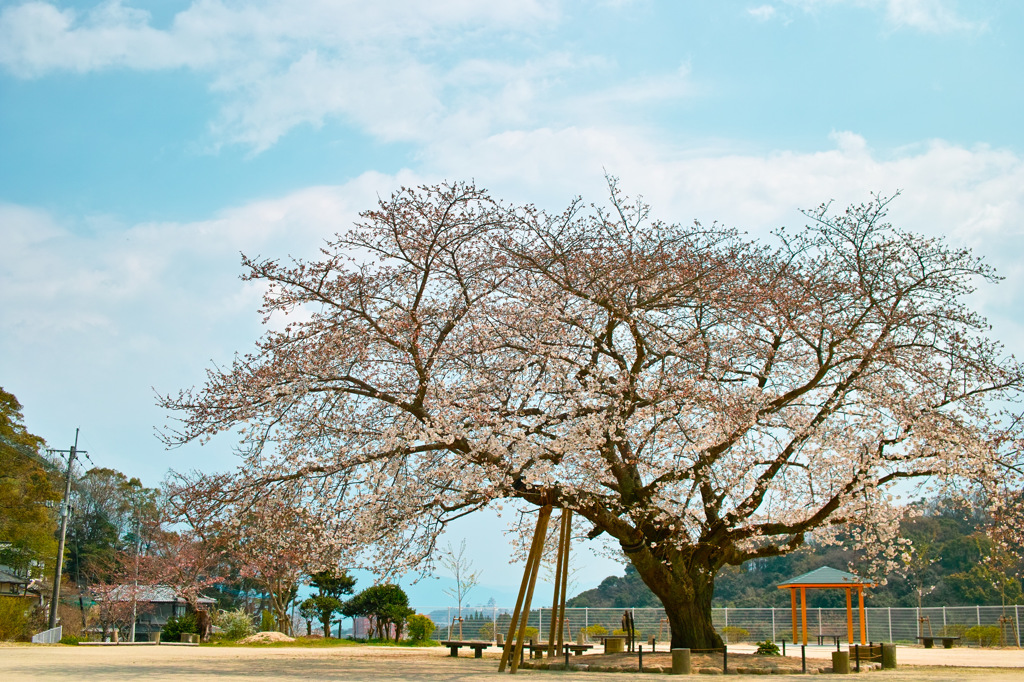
[
  {"x": 929, "y": 641},
  {"x": 454, "y": 645}
]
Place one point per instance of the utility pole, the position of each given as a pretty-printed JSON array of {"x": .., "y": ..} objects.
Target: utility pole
[
  {"x": 65, "y": 512},
  {"x": 138, "y": 551}
]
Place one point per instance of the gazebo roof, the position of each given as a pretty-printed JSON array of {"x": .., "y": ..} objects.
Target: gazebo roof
[{"x": 825, "y": 576}]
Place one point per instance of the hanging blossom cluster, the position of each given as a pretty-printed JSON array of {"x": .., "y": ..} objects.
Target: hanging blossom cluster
[{"x": 701, "y": 398}]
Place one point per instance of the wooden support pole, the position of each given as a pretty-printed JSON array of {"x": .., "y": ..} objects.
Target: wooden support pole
[
  {"x": 553, "y": 648},
  {"x": 545, "y": 516},
  {"x": 565, "y": 576},
  {"x": 516, "y": 629}
]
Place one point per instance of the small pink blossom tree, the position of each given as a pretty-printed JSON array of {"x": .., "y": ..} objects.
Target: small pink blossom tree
[
  {"x": 700, "y": 397},
  {"x": 269, "y": 538}
]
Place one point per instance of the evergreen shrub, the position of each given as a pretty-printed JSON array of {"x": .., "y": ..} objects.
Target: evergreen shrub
[
  {"x": 731, "y": 633},
  {"x": 420, "y": 627},
  {"x": 984, "y": 635},
  {"x": 176, "y": 626},
  {"x": 235, "y": 624}
]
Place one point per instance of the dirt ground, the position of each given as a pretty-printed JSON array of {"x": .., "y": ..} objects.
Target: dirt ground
[{"x": 56, "y": 662}]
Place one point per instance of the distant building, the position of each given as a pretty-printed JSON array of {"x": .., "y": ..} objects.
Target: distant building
[
  {"x": 12, "y": 585},
  {"x": 158, "y": 604}
]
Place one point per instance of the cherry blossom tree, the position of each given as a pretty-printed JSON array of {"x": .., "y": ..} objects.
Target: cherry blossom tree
[
  {"x": 700, "y": 397},
  {"x": 187, "y": 563},
  {"x": 122, "y": 597},
  {"x": 269, "y": 538}
]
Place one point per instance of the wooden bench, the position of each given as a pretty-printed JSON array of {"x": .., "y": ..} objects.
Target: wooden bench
[
  {"x": 578, "y": 649},
  {"x": 537, "y": 649},
  {"x": 454, "y": 646},
  {"x": 828, "y": 635},
  {"x": 929, "y": 641}
]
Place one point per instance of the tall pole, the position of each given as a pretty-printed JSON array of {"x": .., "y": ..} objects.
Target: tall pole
[
  {"x": 135, "y": 587},
  {"x": 64, "y": 514}
]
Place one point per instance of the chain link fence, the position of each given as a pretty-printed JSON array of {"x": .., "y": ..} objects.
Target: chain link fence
[{"x": 975, "y": 625}]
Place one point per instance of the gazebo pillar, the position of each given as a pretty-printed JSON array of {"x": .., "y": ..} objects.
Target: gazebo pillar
[
  {"x": 863, "y": 621},
  {"x": 792, "y": 601},
  {"x": 849, "y": 615},
  {"x": 803, "y": 613}
]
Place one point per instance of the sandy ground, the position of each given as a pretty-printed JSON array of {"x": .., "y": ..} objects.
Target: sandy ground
[
  {"x": 971, "y": 657},
  {"x": 55, "y": 662}
]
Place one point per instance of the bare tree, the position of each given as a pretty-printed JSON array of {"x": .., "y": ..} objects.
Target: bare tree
[{"x": 461, "y": 567}]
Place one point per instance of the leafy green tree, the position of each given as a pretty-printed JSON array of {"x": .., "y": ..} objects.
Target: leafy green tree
[
  {"x": 112, "y": 514},
  {"x": 29, "y": 489},
  {"x": 309, "y": 612},
  {"x": 331, "y": 586},
  {"x": 324, "y": 608},
  {"x": 387, "y": 607}
]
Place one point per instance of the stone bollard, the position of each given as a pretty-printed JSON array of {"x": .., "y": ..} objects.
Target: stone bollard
[
  {"x": 581, "y": 638},
  {"x": 499, "y": 639},
  {"x": 889, "y": 656},
  {"x": 189, "y": 638},
  {"x": 841, "y": 662},
  {"x": 116, "y": 639},
  {"x": 681, "y": 662},
  {"x": 154, "y": 637}
]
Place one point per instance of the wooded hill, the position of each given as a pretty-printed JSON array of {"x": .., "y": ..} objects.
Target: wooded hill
[{"x": 952, "y": 564}]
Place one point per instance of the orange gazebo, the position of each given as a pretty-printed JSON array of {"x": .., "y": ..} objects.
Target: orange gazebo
[{"x": 826, "y": 578}]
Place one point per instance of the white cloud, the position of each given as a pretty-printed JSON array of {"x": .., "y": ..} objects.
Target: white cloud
[
  {"x": 38, "y": 37},
  {"x": 62, "y": 275},
  {"x": 379, "y": 65},
  {"x": 929, "y": 16},
  {"x": 762, "y": 12}
]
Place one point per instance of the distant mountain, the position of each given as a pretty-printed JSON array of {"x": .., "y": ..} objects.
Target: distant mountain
[
  {"x": 949, "y": 565},
  {"x": 617, "y": 591}
]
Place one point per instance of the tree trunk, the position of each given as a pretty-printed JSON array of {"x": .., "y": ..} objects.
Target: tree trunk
[
  {"x": 686, "y": 593},
  {"x": 690, "y": 621}
]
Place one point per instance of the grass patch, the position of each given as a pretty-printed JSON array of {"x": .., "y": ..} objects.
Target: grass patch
[
  {"x": 300, "y": 642},
  {"x": 319, "y": 643},
  {"x": 403, "y": 643}
]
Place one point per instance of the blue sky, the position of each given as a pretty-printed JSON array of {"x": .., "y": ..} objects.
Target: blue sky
[{"x": 143, "y": 145}]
